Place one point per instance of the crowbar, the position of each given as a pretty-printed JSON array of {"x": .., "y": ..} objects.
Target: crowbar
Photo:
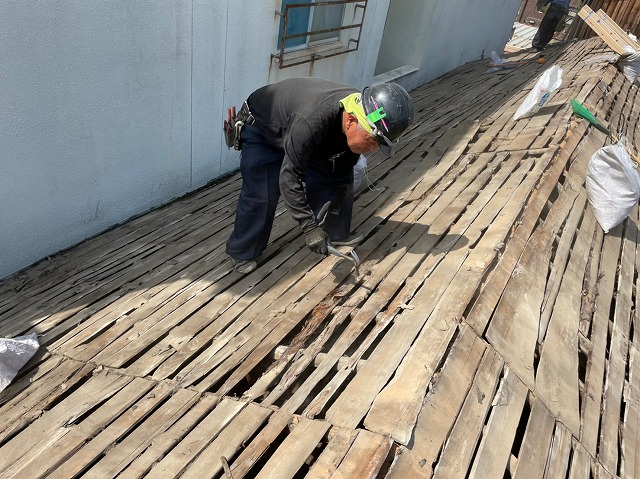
[{"x": 352, "y": 256}]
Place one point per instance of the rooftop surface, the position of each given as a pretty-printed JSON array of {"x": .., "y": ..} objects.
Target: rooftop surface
[{"x": 489, "y": 334}]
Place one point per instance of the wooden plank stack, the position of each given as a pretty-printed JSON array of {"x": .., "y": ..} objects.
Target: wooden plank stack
[
  {"x": 492, "y": 332},
  {"x": 622, "y": 12},
  {"x": 614, "y": 36}
]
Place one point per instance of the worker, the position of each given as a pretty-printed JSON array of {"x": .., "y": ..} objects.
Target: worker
[
  {"x": 556, "y": 12},
  {"x": 302, "y": 137}
]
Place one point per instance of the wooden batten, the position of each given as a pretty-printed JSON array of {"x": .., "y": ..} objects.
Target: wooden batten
[{"x": 609, "y": 31}]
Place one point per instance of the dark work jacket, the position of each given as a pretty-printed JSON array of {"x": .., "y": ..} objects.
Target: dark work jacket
[
  {"x": 562, "y": 3},
  {"x": 303, "y": 117}
]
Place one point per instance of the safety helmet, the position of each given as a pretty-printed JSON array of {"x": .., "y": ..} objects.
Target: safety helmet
[{"x": 389, "y": 111}]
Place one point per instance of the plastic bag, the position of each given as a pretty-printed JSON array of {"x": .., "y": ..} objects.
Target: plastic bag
[
  {"x": 14, "y": 353},
  {"x": 630, "y": 67},
  {"x": 613, "y": 185},
  {"x": 541, "y": 93},
  {"x": 359, "y": 171},
  {"x": 605, "y": 57},
  {"x": 496, "y": 59},
  {"x": 498, "y": 63}
]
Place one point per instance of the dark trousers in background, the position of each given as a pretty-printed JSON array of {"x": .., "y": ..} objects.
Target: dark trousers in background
[
  {"x": 260, "y": 165},
  {"x": 548, "y": 25}
]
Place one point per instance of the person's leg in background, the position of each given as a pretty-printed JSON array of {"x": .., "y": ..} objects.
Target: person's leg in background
[
  {"x": 547, "y": 27},
  {"x": 260, "y": 167}
]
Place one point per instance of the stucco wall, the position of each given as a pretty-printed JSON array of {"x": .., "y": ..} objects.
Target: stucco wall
[
  {"x": 95, "y": 124},
  {"x": 435, "y": 37},
  {"x": 111, "y": 108}
]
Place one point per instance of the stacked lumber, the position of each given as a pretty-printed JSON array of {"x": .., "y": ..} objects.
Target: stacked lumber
[
  {"x": 490, "y": 334},
  {"x": 625, "y": 13},
  {"x": 614, "y": 36}
]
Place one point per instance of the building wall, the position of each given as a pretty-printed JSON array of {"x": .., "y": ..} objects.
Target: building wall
[
  {"x": 112, "y": 108},
  {"x": 432, "y": 37}
]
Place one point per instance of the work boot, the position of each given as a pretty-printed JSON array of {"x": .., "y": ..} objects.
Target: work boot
[
  {"x": 244, "y": 266},
  {"x": 350, "y": 240}
]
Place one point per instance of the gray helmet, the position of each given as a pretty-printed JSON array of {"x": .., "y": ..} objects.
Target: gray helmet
[{"x": 389, "y": 110}]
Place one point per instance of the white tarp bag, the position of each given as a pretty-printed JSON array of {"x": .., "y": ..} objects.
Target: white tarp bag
[
  {"x": 14, "y": 353},
  {"x": 613, "y": 185},
  {"x": 359, "y": 172},
  {"x": 541, "y": 93},
  {"x": 630, "y": 67}
]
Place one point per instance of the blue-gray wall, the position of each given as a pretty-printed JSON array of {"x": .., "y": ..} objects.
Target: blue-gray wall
[{"x": 109, "y": 108}]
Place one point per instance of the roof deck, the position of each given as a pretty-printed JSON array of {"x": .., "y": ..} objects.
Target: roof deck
[{"x": 490, "y": 333}]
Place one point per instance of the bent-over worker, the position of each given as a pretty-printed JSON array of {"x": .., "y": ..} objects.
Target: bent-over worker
[{"x": 302, "y": 137}]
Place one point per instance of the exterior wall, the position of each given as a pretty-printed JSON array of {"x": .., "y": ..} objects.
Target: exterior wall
[
  {"x": 112, "y": 108},
  {"x": 438, "y": 36},
  {"x": 95, "y": 124}
]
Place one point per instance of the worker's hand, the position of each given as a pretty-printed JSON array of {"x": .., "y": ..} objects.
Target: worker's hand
[{"x": 317, "y": 240}]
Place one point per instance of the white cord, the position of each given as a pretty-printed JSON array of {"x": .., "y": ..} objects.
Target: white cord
[{"x": 370, "y": 184}]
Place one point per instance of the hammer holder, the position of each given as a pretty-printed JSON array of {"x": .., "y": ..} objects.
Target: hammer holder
[{"x": 233, "y": 128}]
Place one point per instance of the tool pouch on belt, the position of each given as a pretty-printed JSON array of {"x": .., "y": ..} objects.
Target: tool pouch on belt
[{"x": 233, "y": 125}]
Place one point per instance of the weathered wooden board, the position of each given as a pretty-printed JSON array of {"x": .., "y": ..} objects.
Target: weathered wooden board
[
  {"x": 514, "y": 328},
  {"x": 594, "y": 381},
  {"x": 295, "y": 450},
  {"x": 580, "y": 462},
  {"x": 557, "y": 374},
  {"x": 458, "y": 452},
  {"x": 536, "y": 445},
  {"x": 89, "y": 443},
  {"x": 630, "y": 434},
  {"x": 333, "y": 454},
  {"x": 558, "y": 465},
  {"x": 618, "y": 352},
  {"x": 22, "y": 452},
  {"x": 366, "y": 456},
  {"x": 495, "y": 447},
  {"x": 442, "y": 405}
]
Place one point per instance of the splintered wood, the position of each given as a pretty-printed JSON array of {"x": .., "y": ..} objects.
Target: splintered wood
[{"x": 490, "y": 334}]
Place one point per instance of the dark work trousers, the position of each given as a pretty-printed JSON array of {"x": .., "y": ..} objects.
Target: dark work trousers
[
  {"x": 260, "y": 165},
  {"x": 260, "y": 168},
  {"x": 548, "y": 25}
]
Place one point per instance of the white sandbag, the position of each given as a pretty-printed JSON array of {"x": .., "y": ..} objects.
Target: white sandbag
[
  {"x": 541, "y": 93},
  {"x": 630, "y": 67},
  {"x": 359, "y": 172},
  {"x": 613, "y": 185}
]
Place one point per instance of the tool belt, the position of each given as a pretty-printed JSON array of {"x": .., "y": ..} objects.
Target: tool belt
[{"x": 233, "y": 126}]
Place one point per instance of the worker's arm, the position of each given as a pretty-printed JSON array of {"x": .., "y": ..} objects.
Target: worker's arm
[
  {"x": 299, "y": 143},
  {"x": 342, "y": 180}
]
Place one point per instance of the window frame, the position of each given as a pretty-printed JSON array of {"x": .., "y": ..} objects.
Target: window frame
[{"x": 311, "y": 51}]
